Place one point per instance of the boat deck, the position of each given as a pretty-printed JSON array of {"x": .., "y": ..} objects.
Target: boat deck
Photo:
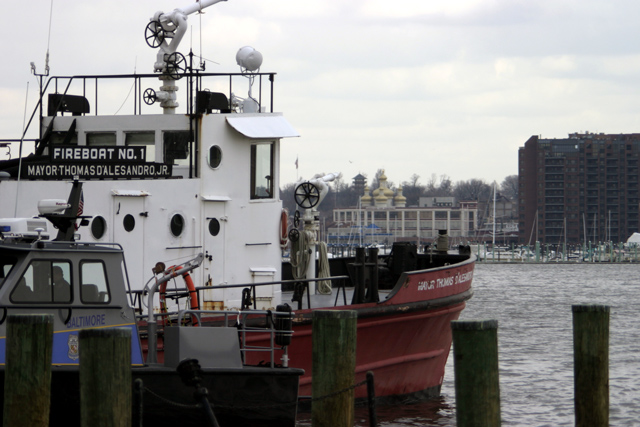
[{"x": 337, "y": 298}]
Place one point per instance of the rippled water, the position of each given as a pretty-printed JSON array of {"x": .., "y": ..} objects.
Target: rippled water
[{"x": 532, "y": 303}]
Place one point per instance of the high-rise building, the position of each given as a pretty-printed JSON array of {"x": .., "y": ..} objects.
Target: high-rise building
[{"x": 579, "y": 189}]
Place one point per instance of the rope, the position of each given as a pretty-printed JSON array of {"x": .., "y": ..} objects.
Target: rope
[
  {"x": 324, "y": 287},
  {"x": 275, "y": 405},
  {"x": 300, "y": 255},
  {"x": 336, "y": 393},
  {"x": 171, "y": 402}
]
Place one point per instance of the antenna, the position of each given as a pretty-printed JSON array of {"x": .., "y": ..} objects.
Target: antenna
[
  {"x": 202, "y": 63},
  {"x": 46, "y": 61}
]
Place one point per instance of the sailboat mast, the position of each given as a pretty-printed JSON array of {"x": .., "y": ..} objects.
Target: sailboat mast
[{"x": 494, "y": 215}]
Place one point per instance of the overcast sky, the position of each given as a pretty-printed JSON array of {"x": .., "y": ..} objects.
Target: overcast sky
[{"x": 421, "y": 87}]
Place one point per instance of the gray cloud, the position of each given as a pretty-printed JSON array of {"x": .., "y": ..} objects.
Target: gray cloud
[{"x": 439, "y": 87}]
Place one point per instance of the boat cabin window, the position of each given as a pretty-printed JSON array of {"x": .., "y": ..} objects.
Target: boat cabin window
[
  {"x": 176, "y": 147},
  {"x": 58, "y": 138},
  {"x": 177, "y": 225},
  {"x": 262, "y": 171},
  {"x": 98, "y": 227},
  {"x": 101, "y": 138},
  {"x": 44, "y": 281},
  {"x": 6, "y": 264},
  {"x": 143, "y": 139},
  {"x": 129, "y": 222},
  {"x": 93, "y": 283},
  {"x": 214, "y": 227},
  {"x": 215, "y": 157}
]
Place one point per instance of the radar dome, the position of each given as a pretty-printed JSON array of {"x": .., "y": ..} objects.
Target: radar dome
[{"x": 249, "y": 58}]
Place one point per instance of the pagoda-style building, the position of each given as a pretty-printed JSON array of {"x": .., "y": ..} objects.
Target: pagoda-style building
[{"x": 382, "y": 217}]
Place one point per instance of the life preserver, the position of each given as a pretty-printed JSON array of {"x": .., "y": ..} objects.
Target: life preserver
[
  {"x": 193, "y": 294},
  {"x": 284, "y": 228}
]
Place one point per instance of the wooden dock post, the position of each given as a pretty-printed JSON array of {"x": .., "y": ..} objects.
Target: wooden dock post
[
  {"x": 475, "y": 357},
  {"x": 105, "y": 377},
  {"x": 334, "y": 363},
  {"x": 27, "y": 382},
  {"x": 591, "y": 364}
]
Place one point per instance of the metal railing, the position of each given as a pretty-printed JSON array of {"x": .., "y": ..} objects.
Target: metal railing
[
  {"x": 238, "y": 319},
  {"x": 137, "y": 295}
]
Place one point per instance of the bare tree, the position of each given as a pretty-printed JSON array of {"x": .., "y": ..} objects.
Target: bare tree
[
  {"x": 412, "y": 190},
  {"x": 509, "y": 187},
  {"x": 442, "y": 188},
  {"x": 288, "y": 200},
  {"x": 432, "y": 185},
  {"x": 413, "y": 180},
  {"x": 445, "y": 188},
  {"x": 473, "y": 189}
]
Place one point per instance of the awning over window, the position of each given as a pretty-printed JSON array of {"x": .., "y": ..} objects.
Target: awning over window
[{"x": 262, "y": 126}]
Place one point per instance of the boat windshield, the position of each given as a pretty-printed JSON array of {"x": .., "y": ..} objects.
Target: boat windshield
[{"x": 7, "y": 261}]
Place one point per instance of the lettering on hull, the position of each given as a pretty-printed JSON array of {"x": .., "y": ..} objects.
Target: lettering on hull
[{"x": 443, "y": 282}]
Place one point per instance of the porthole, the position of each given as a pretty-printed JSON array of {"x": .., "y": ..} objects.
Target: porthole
[
  {"x": 214, "y": 227},
  {"x": 215, "y": 156},
  {"x": 129, "y": 222},
  {"x": 177, "y": 224},
  {"x": 98, "y": 227}
]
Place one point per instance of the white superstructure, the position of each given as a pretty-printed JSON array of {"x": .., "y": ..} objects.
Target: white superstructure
[{"x": 166, "y": 186}]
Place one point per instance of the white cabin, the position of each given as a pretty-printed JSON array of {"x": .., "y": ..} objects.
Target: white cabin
[{"x": 208, "y": 183}]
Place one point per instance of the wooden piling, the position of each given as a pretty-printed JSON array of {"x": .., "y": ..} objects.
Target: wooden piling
[
  {"x": 475, "y": 357},
  {"x": 105, "y": 377},
  {"x": 27, "y": 379},
  {"x": 334, "y": 363},
  {"x": 591, "y": 364}
]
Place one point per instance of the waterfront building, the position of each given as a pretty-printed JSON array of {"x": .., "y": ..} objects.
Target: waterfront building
[
  {"x": 382, "y": 217},
  {"x": 578, "y": 189}
]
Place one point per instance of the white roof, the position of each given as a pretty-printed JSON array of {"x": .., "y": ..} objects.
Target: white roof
[
  {"x": 130, "y": 193},
  {"x": 262, "y": 126},
  {"x": 634, "y": 238}
]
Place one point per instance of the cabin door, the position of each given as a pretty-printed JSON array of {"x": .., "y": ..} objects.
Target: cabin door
[
  {"x": 214, "y": 231},
  {"x": 128, "y": 229}
]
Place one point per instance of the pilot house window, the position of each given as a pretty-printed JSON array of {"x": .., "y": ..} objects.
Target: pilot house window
[
  {"x": 6, "y": 264},
  {"x": 101, "y": 138},
  {"x": 142, "y": 139},
  {"x": 177, "y": 147},
  {"x": 44, "y": 281},
  {"x": 262, "y": 171},
  {"x": 93, "y": 283}
]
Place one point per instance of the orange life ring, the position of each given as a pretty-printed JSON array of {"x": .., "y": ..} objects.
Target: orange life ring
[
  {"x": 284, "y": 228},
  {"x": 193, "y": 294}
]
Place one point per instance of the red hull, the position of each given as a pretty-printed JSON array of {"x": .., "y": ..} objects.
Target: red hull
[{"x": 405, "y": 340}]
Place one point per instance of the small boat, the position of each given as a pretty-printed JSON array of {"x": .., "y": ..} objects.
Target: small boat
[
  {"x": 84, "y": 285},
  {"x": 171, "y": 177}
]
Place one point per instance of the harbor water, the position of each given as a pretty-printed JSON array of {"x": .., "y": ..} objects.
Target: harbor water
[{"x": 532, "y": 303}]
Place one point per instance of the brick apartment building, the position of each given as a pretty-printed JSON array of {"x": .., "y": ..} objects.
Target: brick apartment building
[{"x": 579, "y": 189}]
